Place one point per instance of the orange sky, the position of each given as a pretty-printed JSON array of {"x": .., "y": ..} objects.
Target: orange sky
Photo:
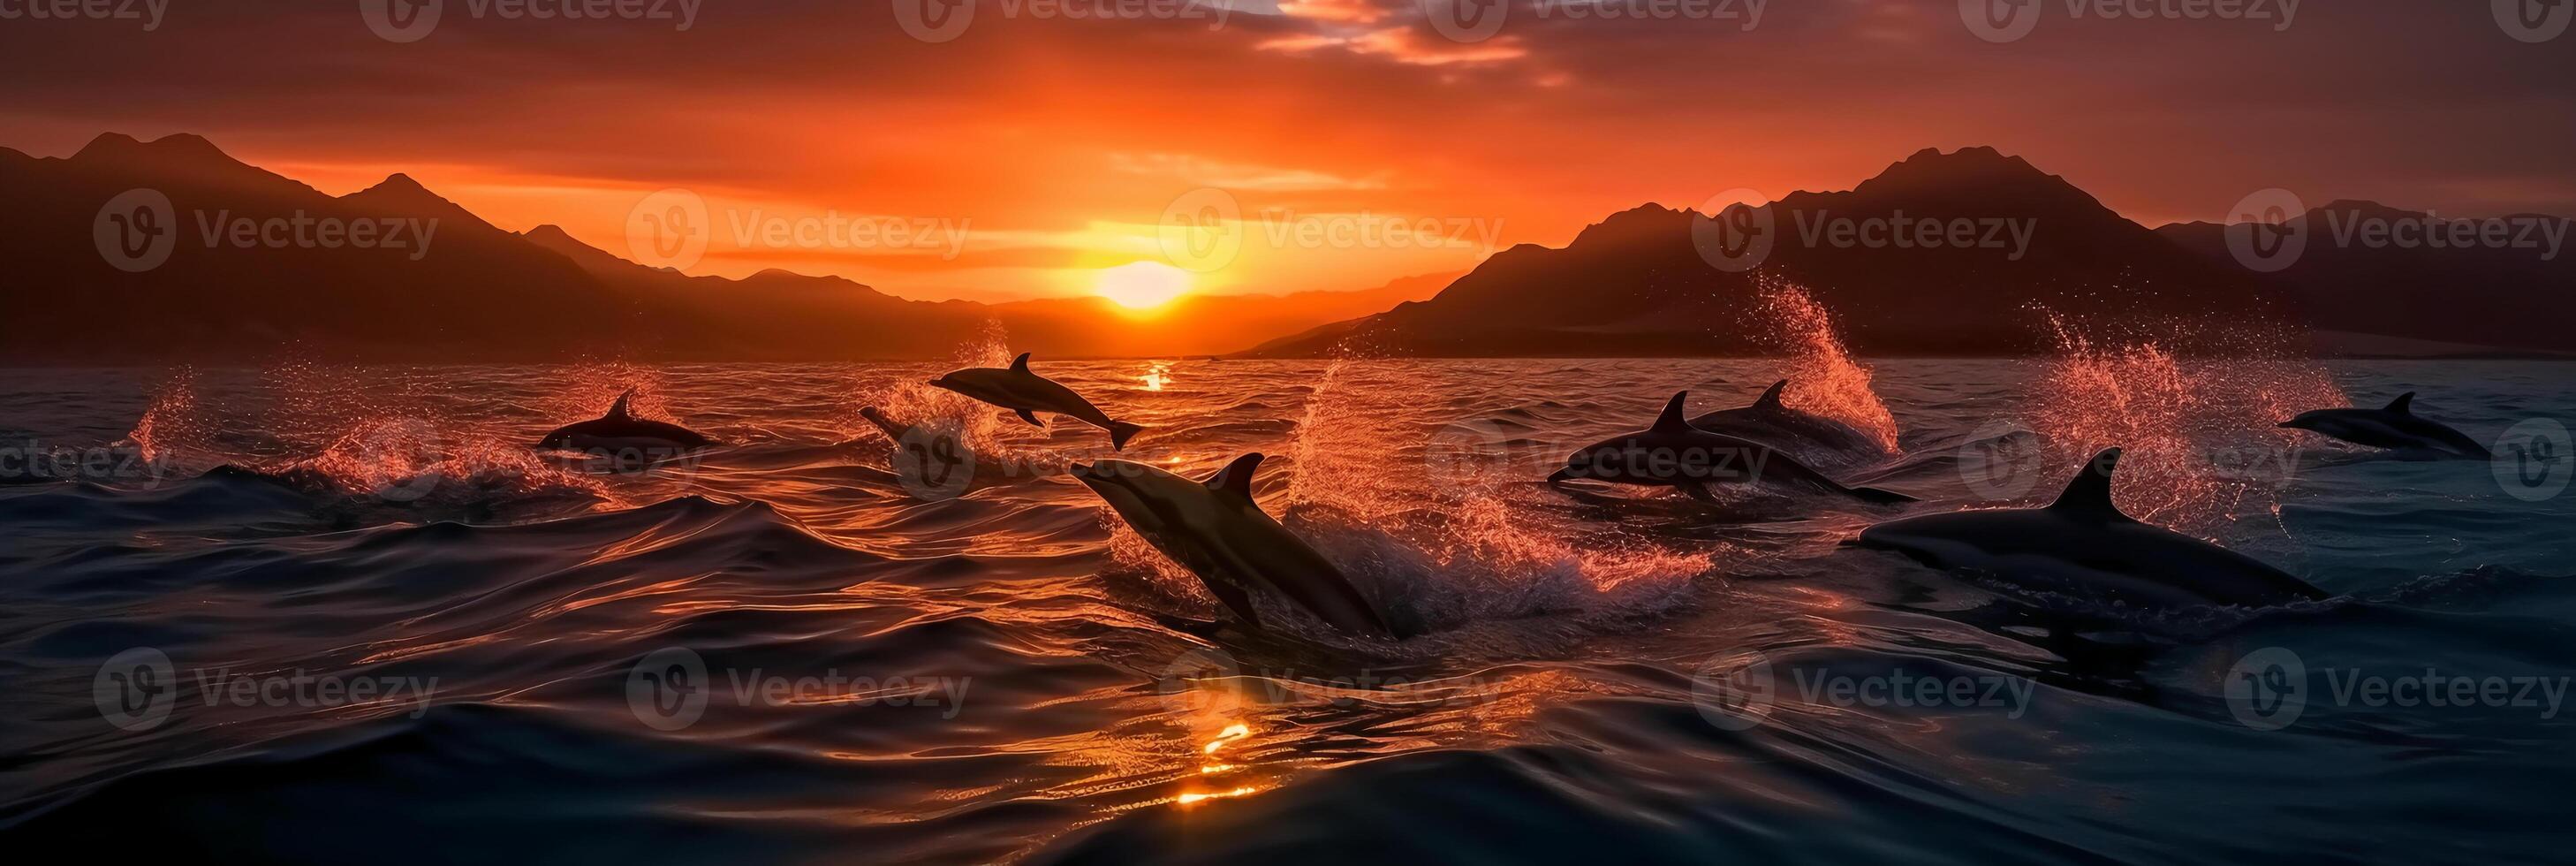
[{"x": 1035, "y": 149}]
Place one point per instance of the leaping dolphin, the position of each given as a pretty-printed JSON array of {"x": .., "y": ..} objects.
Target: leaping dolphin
[
  {"x": 1017, "y": 389},
  {"x": 2082, "y": 545},
  {"x": 1769, "y": 420},
  {"x": 2396, "y": 427},
  {"x": 620, "y": 430},
  {"x": 1675, "y": 454},
  {"x": 1219, "y": 533}
]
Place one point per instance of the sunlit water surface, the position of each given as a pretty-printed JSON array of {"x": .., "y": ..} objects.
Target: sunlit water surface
[{"x": 999, "y": 675}]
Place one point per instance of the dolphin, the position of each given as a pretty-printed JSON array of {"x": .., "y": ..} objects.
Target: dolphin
[
  {"x": 2396, "y": 427},
  {"x": 2082, "y": 544},
  {"x": 1219, "y": 533},
  {"x": 620, "y": 430},
  {"x": 1768, "y": 420},
  {"x": 1026, "y": 393},
  {"x": 1675, "y": 454}
]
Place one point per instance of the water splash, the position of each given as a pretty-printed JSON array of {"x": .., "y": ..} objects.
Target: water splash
[
  {"x": 172, "y": 428},
  {"x": 1823, "y": 377},
  {"x": 1157, "y": 375},
  {"x": 2198, "y": 434}
]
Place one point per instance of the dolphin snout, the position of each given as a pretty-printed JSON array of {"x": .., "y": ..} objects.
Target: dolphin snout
[{"x": 1560, "y": 475}]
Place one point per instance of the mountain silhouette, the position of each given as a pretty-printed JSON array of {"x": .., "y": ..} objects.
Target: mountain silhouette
[
  {"x": 1642, "y": 281},
  {"x": 2509, "y": 295},
  {"x": 476, "y": 292}
]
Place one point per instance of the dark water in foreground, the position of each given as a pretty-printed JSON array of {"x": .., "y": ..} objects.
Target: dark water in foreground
[{"x": 780, "y": 652}]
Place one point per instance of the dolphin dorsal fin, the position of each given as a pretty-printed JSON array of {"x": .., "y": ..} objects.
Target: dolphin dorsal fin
[
  {"x": 1021, "y": 363},
  {"x": 1771, "y": 399},
  {"x": 617, "y": 410},
  {"x": 1236, "y": 476},
  {"x": 2089, "y": 495},
  {"x": 2404, "y": 404},
  {"x": 1673, "y": 419}
]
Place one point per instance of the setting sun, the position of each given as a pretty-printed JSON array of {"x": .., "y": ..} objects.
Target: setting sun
[{"x": 1142, "y": 285}]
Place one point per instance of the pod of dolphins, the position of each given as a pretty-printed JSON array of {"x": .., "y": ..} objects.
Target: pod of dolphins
[{"x": 2078, "y": 544}]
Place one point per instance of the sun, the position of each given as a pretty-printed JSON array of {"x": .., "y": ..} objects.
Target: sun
[{"x": 1142, "y": 285}]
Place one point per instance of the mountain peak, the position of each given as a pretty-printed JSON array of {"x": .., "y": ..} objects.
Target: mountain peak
[
  {"x": 399, "y": 194},
  {"x": 169, "y": 150}
]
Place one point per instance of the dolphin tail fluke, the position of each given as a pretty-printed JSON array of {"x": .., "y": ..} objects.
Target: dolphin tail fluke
[{"x": 1120, "y": 432}]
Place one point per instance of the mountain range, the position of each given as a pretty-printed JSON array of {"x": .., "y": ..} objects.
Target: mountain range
[
  {"x": 1958, "y": 253},
  {"x": 476, "y": 292},
  {"x": 2012, "y": 246}
]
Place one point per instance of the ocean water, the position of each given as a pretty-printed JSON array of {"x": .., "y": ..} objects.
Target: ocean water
[{"x": 309, "y": 614}]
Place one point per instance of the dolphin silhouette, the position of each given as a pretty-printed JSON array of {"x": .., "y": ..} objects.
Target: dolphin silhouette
[
  {"x": 1768, "y": 420},
  {"x": 2083, "y": 544},
  {"x": 2396, "y": 427},
  {"x": 1219, "y": 533},
  {"x": 621, "y": 430},
  {"x": 1675, "y": 454},
  {"x": 1017, "y": 389}
]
